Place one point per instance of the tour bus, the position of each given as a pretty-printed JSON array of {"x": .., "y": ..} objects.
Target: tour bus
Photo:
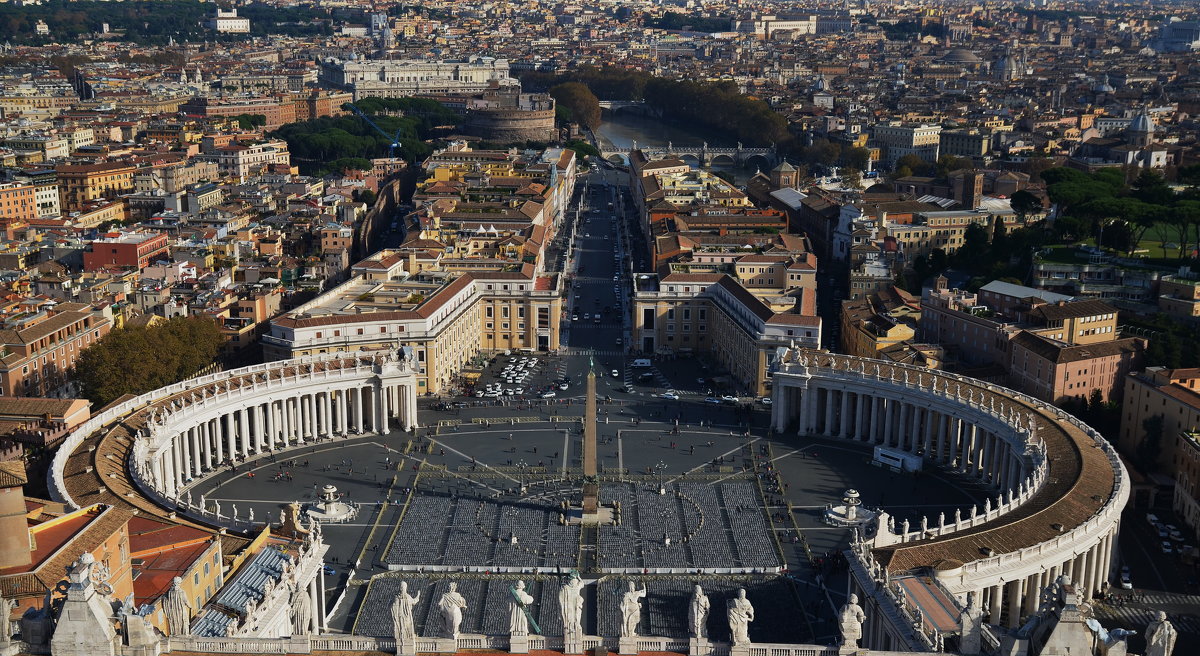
[{"x": 640, "y": 363}]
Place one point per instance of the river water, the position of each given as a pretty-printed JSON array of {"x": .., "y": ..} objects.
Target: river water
[{"x": 618, "y": 132}]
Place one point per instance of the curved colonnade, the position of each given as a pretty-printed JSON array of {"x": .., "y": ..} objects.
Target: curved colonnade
[
  {"x": 1060, "y": 485},
  {"x": 177, "y": 435}
]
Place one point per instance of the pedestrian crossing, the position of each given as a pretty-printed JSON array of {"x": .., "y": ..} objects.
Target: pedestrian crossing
[{"x": 572, "y": 350}]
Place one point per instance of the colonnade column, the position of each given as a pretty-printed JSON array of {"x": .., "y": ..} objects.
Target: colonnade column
[
  {"x": 358, "y": 409},
  {"x": 1014, "y": 603},
  {"x": 994, "y": 607}
]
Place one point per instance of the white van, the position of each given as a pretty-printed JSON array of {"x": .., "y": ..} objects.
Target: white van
[{"x": 640, "y": 363}]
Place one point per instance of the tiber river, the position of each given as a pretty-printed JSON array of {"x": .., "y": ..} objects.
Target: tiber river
[{"x": 617, "y": 133}]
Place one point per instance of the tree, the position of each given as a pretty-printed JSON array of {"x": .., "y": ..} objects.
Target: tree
[
  {"x": 823, "y": 152},
  {"x": 1024, "y": 204},
  {"x": 580, "y": 101},
  {"x": 857, "y": 157},
  {"x": 852, "y": 177},
  {"x": 137, "y": 360},
  {"x": 582, "y": 148},
  {"x": 947, "y": 164},
  {"x": 915, "y": 164},
  {"x": 364, "y": 196},
  {"x": 1148, "y": 450}
]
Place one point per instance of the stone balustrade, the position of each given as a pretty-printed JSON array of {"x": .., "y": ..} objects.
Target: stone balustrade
[
  {"x": 1060, "y": 485},
  {"x": 189, "y": 429}
]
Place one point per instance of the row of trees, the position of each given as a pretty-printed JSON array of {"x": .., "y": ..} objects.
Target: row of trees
[
  {"x": 715, "y": 107},
  {"x": 140, "y": 359},
  {"x": 577, "y": 103},
  {"x": 334, "y": 143},
  {"x": 152, "y": 21},
  {"x": 1120, "y": 214},
  {"x": 672, "y": 20}
]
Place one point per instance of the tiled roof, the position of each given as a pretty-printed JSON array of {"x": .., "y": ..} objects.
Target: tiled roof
[{"x": 1079, "y": 482}]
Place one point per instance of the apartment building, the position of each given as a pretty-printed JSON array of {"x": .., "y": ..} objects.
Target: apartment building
[
  {"x": 713, "y": 314},
  {"x": 1054, "y": 371},
  {"x": 1179, "y": 295},
  {"x": 447, "y": 317},
  {"x": 240, "y": 161},
  {"x": 42, "y": 343},
  {"x": 80, "y": 184},
  {"x": 878, "y": 321},
  {"x": 1173, "y": 395},
  {"x": 125, "y": 250},
  {"x": 18, "y": 203},
  {"x": 899, "y": 139},
  {"x": 1186, "y": 498},
  {"x": 971, "y": 142}
]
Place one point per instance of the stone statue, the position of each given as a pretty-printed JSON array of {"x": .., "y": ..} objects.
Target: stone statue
[
  {"x": 1160, "y": 636},
  {"x": 631, "y": 610},
  {"x": 177, "y": 609},
  {"x": 452, "y": 605},
  {"x": 970, "y": 626},
  {"x": 850, "y": 620},
  {"x": 740, "y": 614},
  {"x": 698, "y": 614},
  {"x": 570, "y": 607},
  {"x": 6, "y": 609},
  {"x": 402, "y": 615},
  {"x": 518, "y": 624},
  {"x": 301, "y": 608}
]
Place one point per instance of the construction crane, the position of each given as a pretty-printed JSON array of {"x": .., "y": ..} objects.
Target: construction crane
[{"x": 394, "y": 141}]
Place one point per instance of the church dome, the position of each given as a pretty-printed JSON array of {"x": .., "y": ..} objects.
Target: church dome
[
  {"x": 961, "y": 56},
  {"x": 1103, "y": 86},
  {"x": 1142, "y": 123}
]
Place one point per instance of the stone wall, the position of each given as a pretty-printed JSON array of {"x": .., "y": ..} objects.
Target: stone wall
[{"x": 511, "y": 125}]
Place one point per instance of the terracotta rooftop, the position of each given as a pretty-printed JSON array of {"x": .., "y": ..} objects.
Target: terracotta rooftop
[{"x": 1080, "y": 481}]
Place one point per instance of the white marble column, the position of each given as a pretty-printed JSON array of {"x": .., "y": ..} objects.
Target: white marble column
[
  {"x": 889, "y": 407},
  {"x": 358, "y": 409},
  {"x": 844, "y": 418},
  {"x": 827, "y": 428},
  {"x": 1014, "y": 604},
  {"x": 314, "y": 606}
]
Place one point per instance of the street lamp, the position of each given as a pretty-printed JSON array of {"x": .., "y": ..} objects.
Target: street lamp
[{"x": 521, "y": 467}]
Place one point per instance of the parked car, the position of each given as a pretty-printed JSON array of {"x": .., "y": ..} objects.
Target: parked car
[
  {"x": 1126, "y": 580},
  {"x": 548, "y": 395}
]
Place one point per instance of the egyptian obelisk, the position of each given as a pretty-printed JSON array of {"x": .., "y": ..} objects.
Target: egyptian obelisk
[{"x": 591, "y": 487}]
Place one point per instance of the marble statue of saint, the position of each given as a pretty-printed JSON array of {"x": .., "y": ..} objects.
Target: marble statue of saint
[
  {"x": 177, "y": 609},
  {"x": 698, "y": 614},
  {"x": 850, "y": 620},
  {"x": 452, "y": 605},
  {"x": 301, "y": 609},
  {"x": 1160, "y": 636},
  {"x": 970, "y": 626},
  {"x": 402, "y": 615},
  {"x": 631, "y": 610},
  {"x": 6, "y": 609},
  {"x": 518, "y": 623},
  {"x": 740, "y": 614},
  {"x": 570, "y": 606}
]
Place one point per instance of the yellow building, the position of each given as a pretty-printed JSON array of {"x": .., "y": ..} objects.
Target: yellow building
[
  {"x": 79, "y": 184},
  {"x": 446, "y": 317},
  {"x": 712, "y": 314}
]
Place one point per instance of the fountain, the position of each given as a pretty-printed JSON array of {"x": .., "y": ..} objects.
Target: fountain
[
  {"x": 850, "y": 512},
  {"x": 329, "y": 508}
]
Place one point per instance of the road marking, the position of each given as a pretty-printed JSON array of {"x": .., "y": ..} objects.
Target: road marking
[
  {"x": 566, "y": 450},
  {"x": 486, "y": 466},
  {"x": 620, "y": 452},
  {"x": 730, "y": 452}
]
